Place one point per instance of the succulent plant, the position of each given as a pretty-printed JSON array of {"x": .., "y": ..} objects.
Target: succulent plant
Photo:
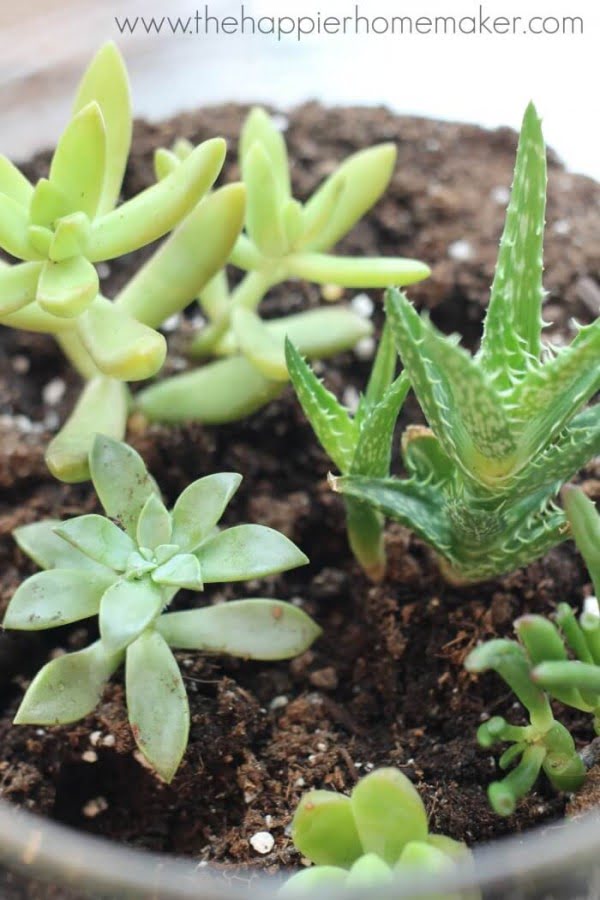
[
  {"x": 126, "y": 568},
  {"x": 283, "y": 239},
  {"x": 507, "y": 427}
]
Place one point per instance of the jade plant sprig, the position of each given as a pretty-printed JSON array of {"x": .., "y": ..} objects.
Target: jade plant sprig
[
  {"x": 69, "y": 221},
  {"x": 359, "y": 444},
  {"x": 508, "y": 427},
  {"x": 543, "y": 744},
  {"x": 375, "y": 837},
  {"x": 126, "y": 568},
  {"x": 283, "y": 239}
]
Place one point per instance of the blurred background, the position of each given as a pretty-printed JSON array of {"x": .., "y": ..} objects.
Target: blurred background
[{"x": 485, "y": 79}]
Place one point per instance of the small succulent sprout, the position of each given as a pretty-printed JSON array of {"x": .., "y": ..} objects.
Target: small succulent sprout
[
  {"x": 544, "y": 744},
  {"x": 126, "y": 567},
  {"x": 508, "y": 427},
  {"x": 64, "y": 224},
  {"x": 357, "y": 445},
  {"x": 369, "y": 839},
  {"x": 283, "y": 239}
]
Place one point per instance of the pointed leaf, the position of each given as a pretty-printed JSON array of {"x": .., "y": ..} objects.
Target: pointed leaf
[
  {"x": 159, "y": 208},
  {"x": 264, "y": 208},
  {"x": 292, "y": 222},
  {"x": 259, "y": 345},
  {"x": 100, "y": 539},
  {"x": 14, "y": 184},
  {"x": 120, "y": 346},
  {"x": 324, "y": 829},
  {"x": 584, "y": 520},
  {"x": 79, "y": 161},
  {"x": 154, "y": 524},
  {"x": 67, "y": 688},
  {"x": 181, "y": 571},
  {"x": 56, "y": 597},
  {"x": 384, "y": 367},
  {"x": 18, "y": 286},
  {"x": 157, "y": 703},
  {"x": 188, "y": 260},
  {"x": 102, "y": 407},
  {"x": 48, "y": 204},
  {"x": 247, "y": 551},
  {"x": 356, "y": 272},
  {"x": 126, "y": 610},
  {"x": 424, "y": 458},
  {"x": 40, "y": 542},
  {"x": 317, "y": 214},
  {"x": 364, "y": 176},
  {"x": 250, "y": 629},
  {"x": 373, "y": 452},
  {"x": 14, "y": 224},
  {"x": 106, "y": 83},
  {"x": 335, "y": 430},
  {"x": 67, "y": 288},
  {"x": 514, "y": 319},
  {"x": 260, "y": 129},
  {"x": 121, "y": 481},
  {"x": 200, "y": 507}
]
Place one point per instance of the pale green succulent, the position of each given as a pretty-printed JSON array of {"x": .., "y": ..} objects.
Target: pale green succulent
[
  {"x": 508, "y": 427},
  {"x": 283, "y": 240},
  {"x": 68, "y": 222},
  {"x": 126, "y": 569},
  {"x": 376, "y": 837}
]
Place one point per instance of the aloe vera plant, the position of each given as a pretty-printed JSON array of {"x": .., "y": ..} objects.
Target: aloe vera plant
[
  {"x": 69, "y": 221},
  {"x": 358, "y": 445},
  {"x": 374, "y": 837},
  {"x": 283, "y": 239},
  {"x": 508, "y": 427},
  {"x": 126, "y": 568}
]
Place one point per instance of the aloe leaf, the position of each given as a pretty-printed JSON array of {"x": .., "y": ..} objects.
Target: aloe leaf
[
  {"x": 364, "y": 176},
  {"x": 459, "y": 402},
  {"x": 251, "y": 629},
  {"x": 41, "y": 543},
  {"x": 128, "y": 607},
  {"x": 264, "y": 219},
  {"x": 419, "y": 507},
  {"x": 14, "y": 184},
  {"x": 188, "y": 260},
  {"x": 199, "y": 508},
  {"x": 106, "y": 83},
  {"x": 512, "y": 335},
  {"x": 373, "y": 452},
  {"x": 247, "y": 551},
  {"x": 67, "y": 688},
  {"x": 100, "y": 539},
  {"x": 56, "y": 597},
  {"x": 121, "y": 347},
  {"x": 67, "y": 288},
  {"x": 18, "y": 286},
  {"x": 101, "y": 408},
  {"x": 69, "y": 237},
  {"x": 335, "y": 430},
  {"x": 14, "y": 224},
  {"x": 157, "y": 703},
  {"x": 389, "y": 813},
  {"x": 585, "y": 527},
  {"x": 355, "y": 272},
  {"x": 366, "y": 537},
  {"x": 549, "y": 397},
  {"x": 324, "y": 829},
  {"x": 154, "y": 524},
  {"x": 221, "y": 392},
  {"x": 424, "y": 458},
  {"x": 383, "y": 369},
  {"x": 121, "y": 481},
  {"x": 149, "y": 215},
  {"x": 79, "y": 161},
  {"x": 259, "y": 345},
  {"x": 259, "y": 129},
  {"x": 181, "y": 571}
]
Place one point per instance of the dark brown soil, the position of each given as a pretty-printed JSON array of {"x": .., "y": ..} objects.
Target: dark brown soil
[{"x": 385, "y": 685}]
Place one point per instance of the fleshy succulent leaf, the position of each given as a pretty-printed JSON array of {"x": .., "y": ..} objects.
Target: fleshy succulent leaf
[
  {"x": 363, "y": 272},
  {"x": 79, "y": 161},
  {"x": 247, "y": 551},
  {"x": 200, "y": 507},
  {"x": 100, "y": 539},
  {"x": 181, "y": 571},
  {"x": 324, "y": 829},
  {"x": 56, "y": 597},
  {"x": 259, "y": 345},
  {"x": 154, "y": 524},
  {"x": 127, "y": 608},
  {"x": 68, "y": 287},
  {"x": 157, "y": 703},
  {"x": 18, "y": 286},
  {"x": 264, "y": 218},
  {"x": 259, "y": 128},
  {"x": 40, "y": 541},
  {"x": 121, "y": 481},
  {"x": 13, "y": 183}
]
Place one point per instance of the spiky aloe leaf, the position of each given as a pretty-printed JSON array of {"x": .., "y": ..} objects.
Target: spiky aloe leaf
[
  {"x": 374, "y": 446},
  {"x": 384, "y": 367},
  {"x": 512, "y": 341},
  {"x": 336, "y": 431}
]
